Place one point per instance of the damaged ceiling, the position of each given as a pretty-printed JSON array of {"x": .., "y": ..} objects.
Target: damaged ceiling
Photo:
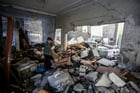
[
  {"x": 97, "y": 12},
  {"x": 49, "y": 6},
  {"x": 122, "y": 7},
  {"x": 71, "y": 13},
  {"x": 79, "y": 12}
]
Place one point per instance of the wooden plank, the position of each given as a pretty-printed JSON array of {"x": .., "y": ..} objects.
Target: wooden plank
[{"x": 8, "y": 47}]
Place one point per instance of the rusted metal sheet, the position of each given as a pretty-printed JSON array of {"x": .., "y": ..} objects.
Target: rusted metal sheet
[{"x": 8, "y": 47}]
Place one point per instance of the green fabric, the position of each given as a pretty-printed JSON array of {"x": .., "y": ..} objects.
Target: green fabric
[{"x": 47, "y": 50}]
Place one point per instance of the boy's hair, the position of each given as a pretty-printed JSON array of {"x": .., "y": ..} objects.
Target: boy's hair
[{"x": 49, "y": 38}]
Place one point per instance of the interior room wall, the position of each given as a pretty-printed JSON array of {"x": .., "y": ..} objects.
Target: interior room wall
[{"x": 48, "y": 22}]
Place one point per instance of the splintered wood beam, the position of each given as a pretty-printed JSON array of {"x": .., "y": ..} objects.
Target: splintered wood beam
[{"x": 8, "y": 47}]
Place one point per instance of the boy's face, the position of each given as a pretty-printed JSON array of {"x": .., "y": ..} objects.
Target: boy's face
[{"x": 50, "y": 41}]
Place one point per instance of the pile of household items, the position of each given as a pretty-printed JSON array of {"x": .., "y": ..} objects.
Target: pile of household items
[{"x": 82, "y": 68}]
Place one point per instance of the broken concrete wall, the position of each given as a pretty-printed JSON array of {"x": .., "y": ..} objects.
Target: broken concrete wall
[{"x": 131, "y": 40}]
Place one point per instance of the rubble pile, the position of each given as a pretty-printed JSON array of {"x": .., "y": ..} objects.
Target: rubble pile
[
  {"x": 83, "y": 70},
  {"x": 86, "y": 69},
  {"x": 24, "y": 65}
]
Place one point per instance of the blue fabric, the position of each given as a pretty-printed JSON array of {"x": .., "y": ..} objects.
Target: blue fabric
[
  {"x": 47, "y": 50},
  {"x": 40, "y": 69}
]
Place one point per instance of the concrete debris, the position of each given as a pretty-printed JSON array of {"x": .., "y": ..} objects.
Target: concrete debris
[
  {"x": 103, "y": 81},
  {"x": 115, "y": 88},
  {"x": 92, "y": 76},
  {"x": 84, "y": 53},
  {"x": 90, "y": 90},
  {"x": 44, "y": 81},
  {"x": 79, "y": 88},
  {"x": 35, "y": 91},
  {"x": 36, "y": 77},
  {"x": 59, "y": 80},
  {"x": 67, "y": 89},
  {"x": 71, "y": 70},
  {"x": 75, "y": 58},
  {"x": 129, "y": 66},
  {"x": 125, "y": 90},
  {"x": 116, "y": 80},
  {"x": 83, "y": 69},
  {"x": 37, "y": 83},
  {"x": 106, "y": 62},
  {"x": 103, "y": 90},
  {"x": 95, "y": 53}
]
